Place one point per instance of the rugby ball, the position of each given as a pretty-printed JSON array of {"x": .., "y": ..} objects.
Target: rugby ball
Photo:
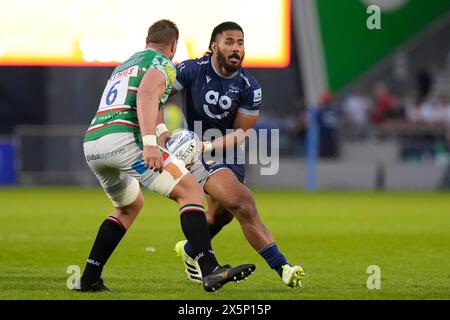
[{"x": 185, "y": 145}]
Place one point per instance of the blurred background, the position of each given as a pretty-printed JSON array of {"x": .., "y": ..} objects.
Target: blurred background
[{"x": 362, "y": 101}]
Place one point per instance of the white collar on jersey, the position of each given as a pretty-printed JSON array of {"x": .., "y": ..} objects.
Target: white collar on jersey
[{"x": 217, "y": 72}]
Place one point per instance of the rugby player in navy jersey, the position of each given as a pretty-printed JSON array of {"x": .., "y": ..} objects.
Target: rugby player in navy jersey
[{"x": 218, "y": 93}]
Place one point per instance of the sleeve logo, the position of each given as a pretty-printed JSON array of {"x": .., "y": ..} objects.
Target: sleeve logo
[{"x": 257, "y": 95}]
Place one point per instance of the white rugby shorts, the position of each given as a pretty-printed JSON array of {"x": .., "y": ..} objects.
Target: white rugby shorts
[{"x": 117, "y": 162}]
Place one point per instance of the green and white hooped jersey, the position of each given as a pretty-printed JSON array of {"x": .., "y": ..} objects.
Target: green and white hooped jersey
[{"x": 117, "y": 109}]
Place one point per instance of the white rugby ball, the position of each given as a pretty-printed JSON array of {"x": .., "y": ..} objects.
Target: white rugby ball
[{"x": 185, "y": 145}]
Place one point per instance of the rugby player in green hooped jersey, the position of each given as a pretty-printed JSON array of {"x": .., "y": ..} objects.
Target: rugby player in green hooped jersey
[{"x": 122, "y": 151}]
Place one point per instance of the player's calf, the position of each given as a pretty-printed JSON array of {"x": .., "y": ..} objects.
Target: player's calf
[
  {"x": 217, "y": 219},
  {"x": 128, "y": 214},
  {"x": 110, "y": 234}
]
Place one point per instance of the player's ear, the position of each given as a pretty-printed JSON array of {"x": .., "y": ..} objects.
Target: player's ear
[
  {"x": 214, "y": 47},
  {"x": 173, "y": 47}
]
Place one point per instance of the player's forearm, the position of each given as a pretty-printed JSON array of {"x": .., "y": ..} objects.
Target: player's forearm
[
  {"x": 237, "y": 137},
  {"x": 243, "y": 125},
  {"x": 160, "y": 118},
  {"x": 148, "y": 113},
  {"x": 160, "y": 124}
]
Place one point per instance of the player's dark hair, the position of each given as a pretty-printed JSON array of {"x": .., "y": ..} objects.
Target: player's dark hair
[
  {"x": 224, "y": 26},
  {"x": 162, "y": 32}
]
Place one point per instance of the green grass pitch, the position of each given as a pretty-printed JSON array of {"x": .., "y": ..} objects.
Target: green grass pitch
[{"x": 334, "y": 236}]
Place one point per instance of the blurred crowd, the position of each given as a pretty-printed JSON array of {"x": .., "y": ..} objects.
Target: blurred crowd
[
  {"x": 360, "y": 110},
  {"x": 423, "y": 111}
]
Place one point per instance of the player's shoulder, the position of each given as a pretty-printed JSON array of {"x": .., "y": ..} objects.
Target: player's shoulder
[
  {"x": 249, "y": 80},
  {"x": 151, "y": 56},
  {"x": 192, "y": 64}
]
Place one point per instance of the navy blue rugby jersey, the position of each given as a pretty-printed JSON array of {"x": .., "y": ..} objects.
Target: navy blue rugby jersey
[{"x": 213, "y": 99}]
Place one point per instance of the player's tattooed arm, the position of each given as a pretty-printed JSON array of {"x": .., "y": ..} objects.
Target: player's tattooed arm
[
  {"x": 149, "y": 95},
  {"x": 242, "y": 124}
]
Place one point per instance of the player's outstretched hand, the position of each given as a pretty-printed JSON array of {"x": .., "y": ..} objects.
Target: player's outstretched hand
[{"x": 153, "y": 158}]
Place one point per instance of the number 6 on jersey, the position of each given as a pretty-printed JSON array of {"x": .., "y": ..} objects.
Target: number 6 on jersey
[{"x": 114, "y": 94}]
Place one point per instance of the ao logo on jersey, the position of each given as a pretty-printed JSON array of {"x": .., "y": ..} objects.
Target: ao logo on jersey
[{"x": 213, "y": 98}]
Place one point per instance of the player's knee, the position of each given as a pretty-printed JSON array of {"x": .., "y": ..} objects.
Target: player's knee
[
  {"x": 246, "y": 212},
  {"x": 133, "y": 208},
  {"x": 188, "y": 191},
  {"x": 244, "y": 208}
]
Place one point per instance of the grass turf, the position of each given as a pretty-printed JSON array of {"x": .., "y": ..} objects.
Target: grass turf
[{"x": 334, "y": 236}]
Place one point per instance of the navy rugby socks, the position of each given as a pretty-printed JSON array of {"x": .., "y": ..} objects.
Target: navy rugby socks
[
  {"x": 195, "y": 228},
  {"x": 273, "y": 257},
  {"x": 108, "y": 237}
]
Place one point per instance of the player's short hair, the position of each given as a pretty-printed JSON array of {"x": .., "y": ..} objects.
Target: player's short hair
[
  {"x": 224, "y": 26},
  {"x": 162, "y": 32}
]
